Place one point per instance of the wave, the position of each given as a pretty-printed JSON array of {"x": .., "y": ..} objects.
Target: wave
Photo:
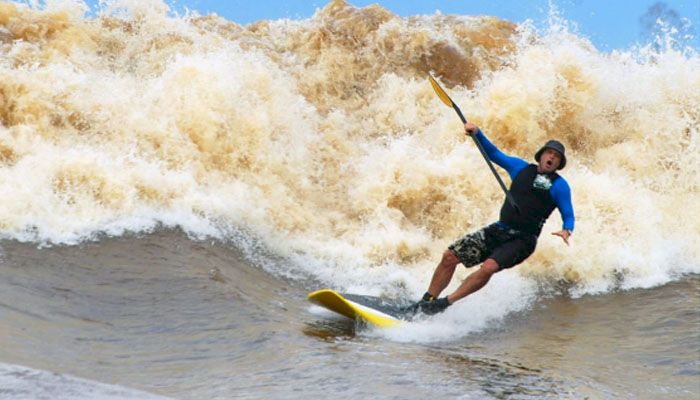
[
  {"x": 26, "y": 383},
  {"x": 322, "y": 138}
]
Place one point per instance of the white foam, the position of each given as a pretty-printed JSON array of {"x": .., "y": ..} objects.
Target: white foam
[
  {"x": 302, "y": 147},
  {"x": 503, "y": 295}
]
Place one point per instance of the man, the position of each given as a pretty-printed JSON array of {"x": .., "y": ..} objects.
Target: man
[{"x": 537, "y": 190}]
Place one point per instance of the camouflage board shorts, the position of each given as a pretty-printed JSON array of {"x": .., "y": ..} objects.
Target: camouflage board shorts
[{"x": 508, "y": 247}]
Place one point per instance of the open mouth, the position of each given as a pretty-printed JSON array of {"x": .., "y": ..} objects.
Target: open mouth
[{"x": 549, "y": 163}]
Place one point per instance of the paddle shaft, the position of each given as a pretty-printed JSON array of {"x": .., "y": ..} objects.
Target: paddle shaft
[{"x": 509, "y": 196}]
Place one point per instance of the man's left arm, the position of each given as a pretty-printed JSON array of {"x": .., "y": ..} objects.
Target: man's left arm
[{"x": 561, "y": 193}]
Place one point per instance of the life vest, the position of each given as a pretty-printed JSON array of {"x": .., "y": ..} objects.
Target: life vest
[{"x": 530, "y": 190}]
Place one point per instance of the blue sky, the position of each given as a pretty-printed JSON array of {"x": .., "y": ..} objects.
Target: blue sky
[{"x": 611, "y": 24}]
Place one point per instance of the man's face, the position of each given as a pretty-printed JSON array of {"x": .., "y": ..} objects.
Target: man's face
[{"x": 549, "y": 161}]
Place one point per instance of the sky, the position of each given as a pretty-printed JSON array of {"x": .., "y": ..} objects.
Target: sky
[
  {"x": 608, "y": 24},
  {"x": 611, "y": 24}
]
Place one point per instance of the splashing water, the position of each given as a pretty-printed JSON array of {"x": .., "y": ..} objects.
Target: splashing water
[{"x": 322, "y": 138}]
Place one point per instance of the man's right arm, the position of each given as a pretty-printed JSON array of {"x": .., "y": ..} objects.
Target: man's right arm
[{"x": 511, "y": 164}]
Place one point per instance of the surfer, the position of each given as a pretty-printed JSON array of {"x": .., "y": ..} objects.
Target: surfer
[{"x": 537, "y": 189}]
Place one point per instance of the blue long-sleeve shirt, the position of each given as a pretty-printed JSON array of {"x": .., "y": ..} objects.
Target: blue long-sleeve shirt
[{"x": 560, "y": 190}]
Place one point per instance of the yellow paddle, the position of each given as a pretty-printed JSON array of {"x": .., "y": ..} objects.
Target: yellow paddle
[{"x": 448, "y": 102}]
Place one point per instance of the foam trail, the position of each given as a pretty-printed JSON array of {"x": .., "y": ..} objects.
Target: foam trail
[{"x": 484, "y": 309}]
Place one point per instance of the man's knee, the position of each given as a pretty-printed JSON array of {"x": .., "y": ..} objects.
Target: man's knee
[
  {"x": 490, "y": 266},
  {"x": 449, "y": 259}
]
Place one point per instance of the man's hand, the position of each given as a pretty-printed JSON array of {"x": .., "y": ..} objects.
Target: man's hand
[
  {"x": 470, "y": 129},
  {"x": 564, "y": 234}
]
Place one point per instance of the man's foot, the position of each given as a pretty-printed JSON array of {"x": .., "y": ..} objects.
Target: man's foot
[
  {"x": 433, "y": 307},
  {"x": 428, "y": 305}
]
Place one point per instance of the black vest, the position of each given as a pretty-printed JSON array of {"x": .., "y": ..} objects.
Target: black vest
[{"x": 531, "y": 193}]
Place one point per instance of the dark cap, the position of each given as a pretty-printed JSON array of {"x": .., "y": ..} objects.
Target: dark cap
[{"x": 554, "y": 145}]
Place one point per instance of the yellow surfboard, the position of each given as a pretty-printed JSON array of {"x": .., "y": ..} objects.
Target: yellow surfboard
[{"x": 373, "y": 310}]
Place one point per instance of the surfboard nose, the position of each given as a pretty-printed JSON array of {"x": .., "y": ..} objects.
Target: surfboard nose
[{"x": 355, "y": 309}]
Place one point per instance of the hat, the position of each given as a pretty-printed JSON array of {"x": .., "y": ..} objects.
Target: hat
[{"x": 554, "y": 145}]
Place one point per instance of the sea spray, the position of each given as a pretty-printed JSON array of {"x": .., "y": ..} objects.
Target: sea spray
[{"x": 322, "y": 139}]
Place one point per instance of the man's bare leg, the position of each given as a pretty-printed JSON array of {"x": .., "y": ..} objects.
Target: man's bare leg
[
  {"x": 443, "y": 273},
  {"x": 475, "y": 281}
]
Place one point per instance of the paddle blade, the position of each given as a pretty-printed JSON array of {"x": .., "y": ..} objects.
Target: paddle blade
[{"x": 440, "y": 92}]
